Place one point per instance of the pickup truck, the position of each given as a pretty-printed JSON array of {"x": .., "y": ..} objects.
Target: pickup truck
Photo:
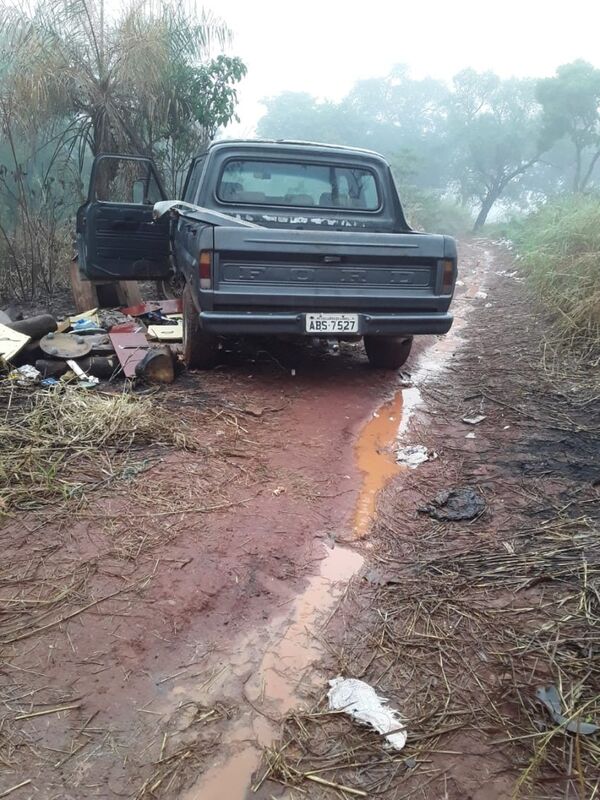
[{"x": 273, "y": 238}]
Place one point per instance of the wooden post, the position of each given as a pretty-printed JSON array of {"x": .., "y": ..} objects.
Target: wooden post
[{"x": 85, "y": 293}]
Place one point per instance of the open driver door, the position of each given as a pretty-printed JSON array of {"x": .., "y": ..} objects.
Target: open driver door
[{"x": 117, "y": 237}]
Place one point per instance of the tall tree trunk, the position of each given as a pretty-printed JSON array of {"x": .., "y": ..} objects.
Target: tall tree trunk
[
  {"x": 590, "y": 171},
  {"x": 486, "y": 206},
  {"x": 577, "y": 176}
]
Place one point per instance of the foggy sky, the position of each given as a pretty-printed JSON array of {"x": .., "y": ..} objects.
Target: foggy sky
[{"x": 324, "y": 46}]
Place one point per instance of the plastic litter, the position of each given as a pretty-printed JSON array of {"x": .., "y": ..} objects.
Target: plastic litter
[
  {"x": 474, "y": 420},
  {"x": 413, "y": 455},
  {"x": 25, "y": 375},
  {"x": 362, "y": 702},
  {"x": 87, "y": 326},
  {"x": 550, "y": 697},
  {"x": 86, "y": 381},
  {"x": 454, "y": 505}
]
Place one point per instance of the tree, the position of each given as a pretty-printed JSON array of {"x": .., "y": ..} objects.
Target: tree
[
  {"x": 201, "y": 99},
  {"x": 494, "y": 131},
  {"x": 74, "y": 83},
  {"x": 571, "y": 110},
  {"x": 389, "y": 114},
  {"x": 112, "y": 80},
  {"x": 298, "y": 115}
]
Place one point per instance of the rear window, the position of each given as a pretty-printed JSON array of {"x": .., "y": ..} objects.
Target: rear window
[{"x": 281, "y": 183}]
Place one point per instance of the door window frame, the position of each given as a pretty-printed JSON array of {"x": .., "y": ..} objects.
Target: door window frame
[{"x": 119, "y": 157}]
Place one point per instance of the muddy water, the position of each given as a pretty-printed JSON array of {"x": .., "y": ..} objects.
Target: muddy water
[
  {"x": 286, "y": 669},
  {"x": 375, "y": 452},
  {"x": 375, "y": 459},
  {"x": 276, "y": 685},
  {"x": 285, "y": 664}
]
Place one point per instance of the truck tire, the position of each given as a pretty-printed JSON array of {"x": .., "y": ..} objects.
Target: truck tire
[
  {"x": 170, "y": 288},
  {"x": 200, "y": 349},
  {"x": 388, "y": 352}
]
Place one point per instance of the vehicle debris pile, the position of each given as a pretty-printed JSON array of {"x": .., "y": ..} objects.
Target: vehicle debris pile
[{"x": 138, "y": 342}]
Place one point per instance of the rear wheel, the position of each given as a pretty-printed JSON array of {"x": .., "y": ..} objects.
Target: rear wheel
[
  {"x": 200, "y": 349},
  {"x": 170, "y": 288},
  {"x": 388, "y": 352}
]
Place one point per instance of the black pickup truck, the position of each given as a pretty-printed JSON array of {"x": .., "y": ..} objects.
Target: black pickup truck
[{"x": 273, "y": 238}]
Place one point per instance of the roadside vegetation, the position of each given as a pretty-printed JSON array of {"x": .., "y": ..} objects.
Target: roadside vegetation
[
  {"x": 58, "y": 445},
  {"x": 559, "y": 249},
  {"x": 154, "y": 80}
]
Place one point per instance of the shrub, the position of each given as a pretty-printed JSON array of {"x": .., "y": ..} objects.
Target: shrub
[{"x": 559, "y": 249}]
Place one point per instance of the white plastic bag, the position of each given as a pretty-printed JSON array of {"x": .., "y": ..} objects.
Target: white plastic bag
[
  {"x": 362, "y": 702},
  {"x": 413, "y": 455}
]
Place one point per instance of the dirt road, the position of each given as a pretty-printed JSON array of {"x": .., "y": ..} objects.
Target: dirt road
[{"x": 190, "y": 608}]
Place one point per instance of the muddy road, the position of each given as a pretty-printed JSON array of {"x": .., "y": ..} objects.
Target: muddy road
[{"x": 189, "y": 609}]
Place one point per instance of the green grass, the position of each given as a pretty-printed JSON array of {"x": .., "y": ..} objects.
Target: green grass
[{"x": 559, "y": 252}]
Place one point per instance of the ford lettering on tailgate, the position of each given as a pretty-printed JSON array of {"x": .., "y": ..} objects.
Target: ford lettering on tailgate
[{"x": 324, "y": 275}]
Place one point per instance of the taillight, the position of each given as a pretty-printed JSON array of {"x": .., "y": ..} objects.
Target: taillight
[
  {"x": 205, "y": 265},
  {"x": 447, "y": 276}
]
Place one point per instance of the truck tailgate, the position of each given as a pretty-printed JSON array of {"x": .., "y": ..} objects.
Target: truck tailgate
[{"x": 328, "y": 269}]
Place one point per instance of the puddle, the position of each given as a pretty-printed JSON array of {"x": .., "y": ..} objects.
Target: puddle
[
  {"x": 375, "y": 459},
  {"x": 375, "y": 452},
  {"x": 276, "y": 685},
  {"x": 377, "y": 441},
  {"x": 228, "y": 781},
  {"x": 284, "y": 668}
]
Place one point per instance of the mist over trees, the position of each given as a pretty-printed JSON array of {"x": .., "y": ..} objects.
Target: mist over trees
[{"x": 480, "y": 142}]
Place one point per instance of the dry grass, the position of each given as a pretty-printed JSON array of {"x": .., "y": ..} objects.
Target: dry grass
[
  {"x": 560, "y": 251},
  {"x": 55, "y": 442},
  {"x": 459, "y": 643}
]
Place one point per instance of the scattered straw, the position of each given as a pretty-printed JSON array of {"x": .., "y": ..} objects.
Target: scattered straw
[{"x": 55, "y": 442}]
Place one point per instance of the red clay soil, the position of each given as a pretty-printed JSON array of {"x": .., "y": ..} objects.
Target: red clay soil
[
  {"x": 180, "y": 606},
  {"x": 174, "y": 565}
]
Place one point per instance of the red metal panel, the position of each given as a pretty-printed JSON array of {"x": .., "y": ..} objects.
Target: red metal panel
[
  {"x": 130, "y": 349},
  {"x": 166, "y": 306}
]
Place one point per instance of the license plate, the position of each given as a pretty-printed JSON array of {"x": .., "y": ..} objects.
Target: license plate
[{"x": 331, "y": 323}]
